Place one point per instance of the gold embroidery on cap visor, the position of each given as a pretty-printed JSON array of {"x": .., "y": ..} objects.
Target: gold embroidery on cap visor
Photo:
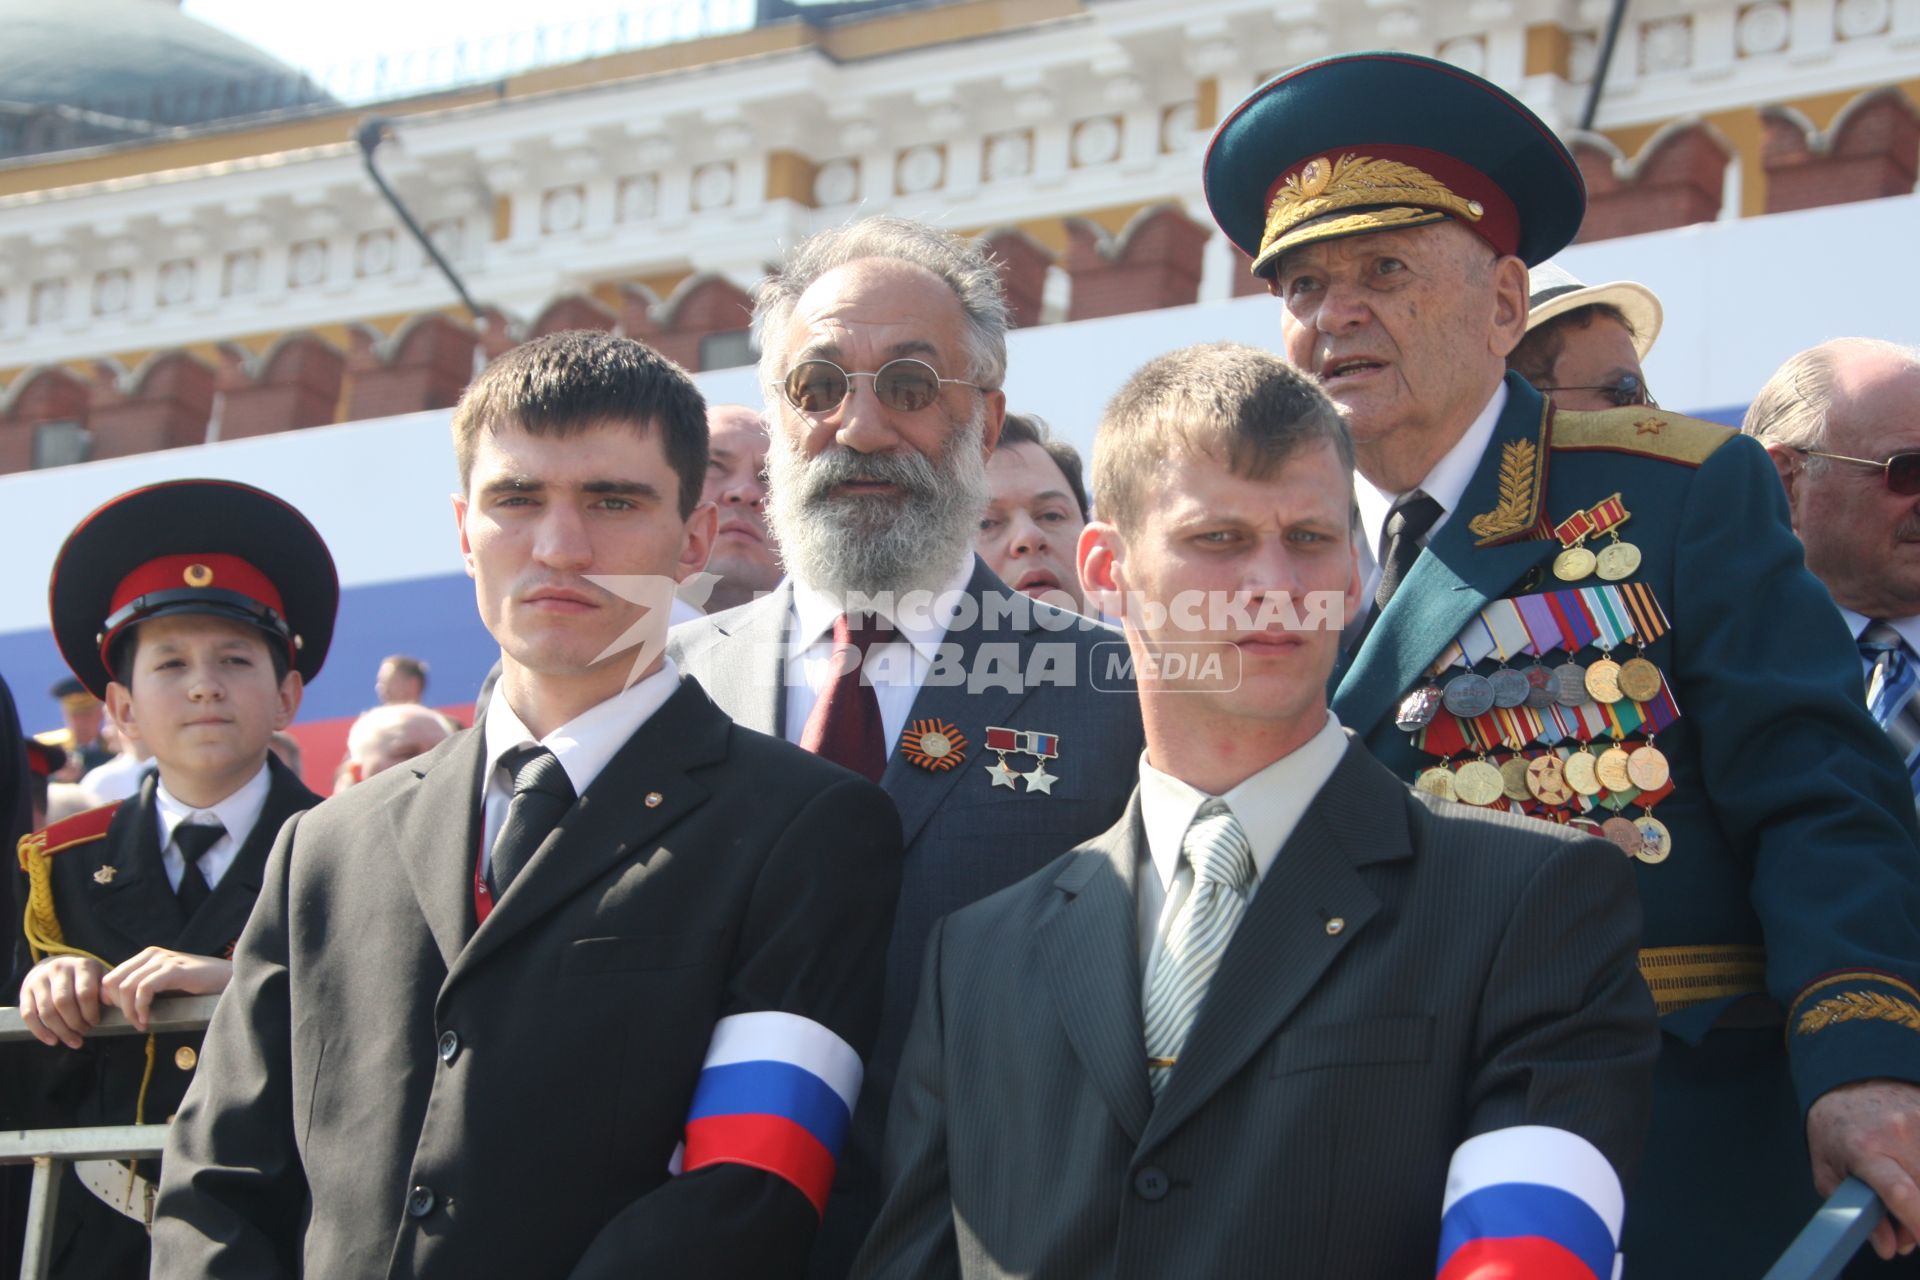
[{"x": 1384, "y": 194}]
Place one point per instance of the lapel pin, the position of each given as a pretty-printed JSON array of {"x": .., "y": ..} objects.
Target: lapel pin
[
  {"x": 104, "y": 875},
  {"x": 1334, "y": 926},
  {"x": 936, "y": 746},
  {"x": 653, "y": 799}
]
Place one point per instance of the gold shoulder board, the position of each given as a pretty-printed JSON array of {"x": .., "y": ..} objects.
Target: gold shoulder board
[{"x": 1651, "y": 433}]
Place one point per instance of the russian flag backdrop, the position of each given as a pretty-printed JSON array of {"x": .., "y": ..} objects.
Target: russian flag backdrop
[{"x": 1530, "y": 1201}]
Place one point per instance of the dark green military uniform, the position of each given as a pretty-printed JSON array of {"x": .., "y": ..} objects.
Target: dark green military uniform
[{"x": 1773, "y": 827}]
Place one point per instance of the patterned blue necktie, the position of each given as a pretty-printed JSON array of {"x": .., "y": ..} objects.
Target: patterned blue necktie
[{"x": 1891, "y": 681}]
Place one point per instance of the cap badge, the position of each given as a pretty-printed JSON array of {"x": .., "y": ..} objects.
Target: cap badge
[
  {"x": 198, "y": 575},
  {"x": 1314, "y": 175},
  {"x": 933, "y": 745}
]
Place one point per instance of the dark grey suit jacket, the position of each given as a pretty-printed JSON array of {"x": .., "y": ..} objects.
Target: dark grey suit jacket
[
  {"x": 965, "y": 837},
  {"x": 1482, "y": 976},
  {"x": 389, "y": 1090}
]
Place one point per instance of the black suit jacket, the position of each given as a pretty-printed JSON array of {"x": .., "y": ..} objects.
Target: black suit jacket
[
  {"x": 1481, "y": 976},
  {"x": 112, "y": 898},
  {"x": 965, "y": 837},
  {"x": 390, "y": 1090}
]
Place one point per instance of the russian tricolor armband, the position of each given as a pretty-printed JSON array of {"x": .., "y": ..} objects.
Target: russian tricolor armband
[
  {"x": 776, "y": 1093},
  {"x": 1530, "y": 1201}
]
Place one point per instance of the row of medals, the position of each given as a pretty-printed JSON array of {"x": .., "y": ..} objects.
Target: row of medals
[{"x": 1547, "y": 778}]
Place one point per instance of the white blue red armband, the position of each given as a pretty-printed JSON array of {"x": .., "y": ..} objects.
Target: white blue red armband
[
  {"x": 1530, "y": 1201},
  {"x": 776, "y": 1093}
]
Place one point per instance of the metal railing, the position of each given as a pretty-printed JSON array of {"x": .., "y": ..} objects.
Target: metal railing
[
  {"x": 1822, "y": 1248},
  {"x": 50, "y": 1151}
]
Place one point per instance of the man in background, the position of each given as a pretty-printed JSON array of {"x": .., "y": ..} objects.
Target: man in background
[
  {"x": 386, "y": 736},
  {"x": 1584, "y": 343},
  {"x": 1033, "y": 520},
  {"x": 745, "y": 559},
  {"x": 400, "y": 679}
]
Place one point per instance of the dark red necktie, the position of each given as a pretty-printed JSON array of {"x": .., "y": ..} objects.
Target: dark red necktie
[{"x": 845, "y": 725}]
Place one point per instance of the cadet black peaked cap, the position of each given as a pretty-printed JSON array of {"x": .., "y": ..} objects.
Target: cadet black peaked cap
[
  {"x": 1368, "y": 142},
  {"x": 213, "y": 547}
]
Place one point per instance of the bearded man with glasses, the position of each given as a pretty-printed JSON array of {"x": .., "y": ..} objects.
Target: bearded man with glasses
[{"x": 891, "y": 648}]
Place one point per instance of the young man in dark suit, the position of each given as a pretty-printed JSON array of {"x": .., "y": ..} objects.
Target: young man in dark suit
[
  {"x": 198, "y": 609},
  {"x": 585, "y": 990},
  {"x": 1284, "y": 1019}
]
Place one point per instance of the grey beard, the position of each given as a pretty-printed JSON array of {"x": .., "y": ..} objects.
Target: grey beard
[{"x": 909, "y": 541}]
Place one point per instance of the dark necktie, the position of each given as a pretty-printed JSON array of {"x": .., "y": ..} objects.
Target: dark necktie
[
  {"x": 845, "y": 724},
  {"x": 1891, "y": 681},
  {"x": 542, "y": 794},
  {"x": 1407, "y": 523},
  {"x": 193, "y": 839}
]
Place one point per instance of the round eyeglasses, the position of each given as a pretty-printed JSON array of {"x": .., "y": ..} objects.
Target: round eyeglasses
[
  {"x": 905, "y": 385},
  {"x": 1626, "y": 391}
]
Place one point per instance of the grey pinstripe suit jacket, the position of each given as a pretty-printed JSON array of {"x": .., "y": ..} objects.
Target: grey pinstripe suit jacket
[{"x": 1482, "y": 975}]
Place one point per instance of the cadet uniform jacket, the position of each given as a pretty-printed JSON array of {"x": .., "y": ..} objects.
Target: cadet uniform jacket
[{"x": 112, "y": 897}]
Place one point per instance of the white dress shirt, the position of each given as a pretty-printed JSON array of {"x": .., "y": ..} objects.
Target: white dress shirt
[
  {"x": 583, "y": 745},
  {"x": 896, "y": 669},
  {"x": 237, "y": 813},
  {"x": 1268, "y": 806},
  {"x": 1446, "y": 484}
]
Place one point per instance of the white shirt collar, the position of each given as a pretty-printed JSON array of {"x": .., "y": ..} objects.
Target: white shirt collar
[
  {"x": 1446, "y": 484},
  {"x": 237, "y": 813},
  {"x": 1268, "y": 805},
  {"x": 923, "y": 624},
  {"x": 585, "y": 743},
  {"x": 1909, "y": 628}
]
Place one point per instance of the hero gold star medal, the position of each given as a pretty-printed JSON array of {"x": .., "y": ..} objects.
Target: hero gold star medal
[
  {"x": 934, "y": 745},
  {"x": 1041, "y": 746}
]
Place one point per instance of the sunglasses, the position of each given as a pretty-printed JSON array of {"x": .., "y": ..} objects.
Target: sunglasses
[
  {"x": 1901, "y": 472},
  {"x": 904, "y": 385},
  {"x": 1626, "y": 391}
]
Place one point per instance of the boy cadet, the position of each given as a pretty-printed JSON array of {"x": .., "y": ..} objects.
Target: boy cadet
[
  {"x": 199, "y": 609},
  {"x": 614, "y": 961},
  {"x": 1284, "y": 1019}
]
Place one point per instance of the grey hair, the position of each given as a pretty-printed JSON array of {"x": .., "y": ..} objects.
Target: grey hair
[
  {"x": 1791, "y": 409},
  {"x": 963, "y": 264}
]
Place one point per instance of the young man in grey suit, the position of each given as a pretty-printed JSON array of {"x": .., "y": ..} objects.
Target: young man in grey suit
[
  {"x": 583, "y": 991},
  {"x": 1285, "y": 1019},
  {"x": 1004, "y": 729}
]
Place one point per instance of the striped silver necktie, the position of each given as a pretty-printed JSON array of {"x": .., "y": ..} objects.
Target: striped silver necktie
[
  {"x": 1222, "y": 862},
  {"x": 1891, "y": 682}
]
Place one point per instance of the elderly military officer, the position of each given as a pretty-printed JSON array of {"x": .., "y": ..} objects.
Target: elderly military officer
[
  {"x": 1842, "y": 424},
  {"x": 1551, "y": 592},
  {"x": 883, "y": 345}
]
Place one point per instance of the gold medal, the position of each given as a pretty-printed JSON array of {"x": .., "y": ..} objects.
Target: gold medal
[
  {"x": 1478, "y": 782},
  {"x": 1574, "y": 564},
  {"x": 1620, "y": 560},
  {"x": 1581, "y": 774},
  {"x": 1603, "y": 680},
  {"x": 1640, "y": 680},
  {"x": 1647, "y": 768},
  {"x": 1437, "y": 781},
  {"x": 1613, "y": 770},
  {"x": 1656, "y": 842},
  {"x": 1547, "y": 781},
  {"x": 1622, "y": 833},
  {"x": 1513, "y": 779}
]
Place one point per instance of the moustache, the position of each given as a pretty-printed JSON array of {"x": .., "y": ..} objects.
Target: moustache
[{"x": 913, "y": 472}]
